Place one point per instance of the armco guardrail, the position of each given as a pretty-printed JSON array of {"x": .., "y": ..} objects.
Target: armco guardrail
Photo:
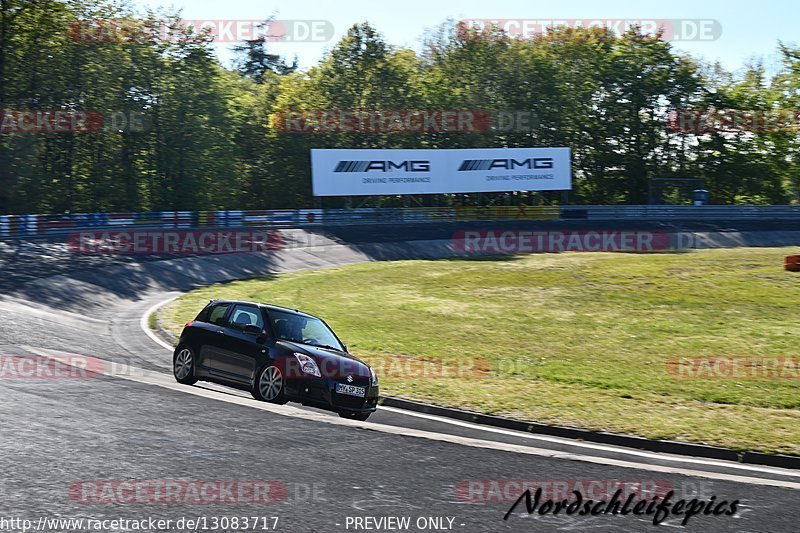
[
  {"x": 31, "y": 226},
  {"x": 675, "y": 212}
]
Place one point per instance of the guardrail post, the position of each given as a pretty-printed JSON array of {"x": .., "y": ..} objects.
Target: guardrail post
[
  {"x": 31, "y": 225},
  {"x": 184, "y": 219}
]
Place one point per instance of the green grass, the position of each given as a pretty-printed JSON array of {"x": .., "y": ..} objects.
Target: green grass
[{"x": 576, "y": 339}]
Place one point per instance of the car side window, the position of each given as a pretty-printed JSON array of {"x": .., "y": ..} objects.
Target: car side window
[
  {"x": 246, "y": 315},
  {"x": 218, "y": 315}
]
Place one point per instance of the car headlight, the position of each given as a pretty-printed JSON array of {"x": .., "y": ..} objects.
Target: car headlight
[
  {"x": 308, "y": 365},
  {"x": 374, "y": 377}
]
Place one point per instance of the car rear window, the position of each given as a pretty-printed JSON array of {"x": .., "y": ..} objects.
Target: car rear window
[{"x": 202, "y": 316}]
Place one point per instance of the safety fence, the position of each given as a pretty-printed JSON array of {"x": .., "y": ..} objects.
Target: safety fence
[
  {"x": 30, "y": 226},
  {"x": 686, "y": 212}
]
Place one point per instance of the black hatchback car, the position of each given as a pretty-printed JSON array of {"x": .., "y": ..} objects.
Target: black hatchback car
[{"x": 277, "y": 354}]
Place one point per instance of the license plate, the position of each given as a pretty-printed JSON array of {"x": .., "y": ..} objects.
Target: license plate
[{"x": 351, "y": 390}]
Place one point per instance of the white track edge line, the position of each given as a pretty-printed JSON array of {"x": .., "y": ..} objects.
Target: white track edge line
[
  {"x": 569, "y": 442},
  {"x": 145, "y": 326}
]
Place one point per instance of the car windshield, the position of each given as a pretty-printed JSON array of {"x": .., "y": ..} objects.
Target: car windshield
[{"x": 304, "y": 329}]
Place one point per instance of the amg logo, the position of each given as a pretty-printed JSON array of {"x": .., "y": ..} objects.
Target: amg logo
[
  {"x": 382, "y": 166},
  {"x": 507, "y": 164}
]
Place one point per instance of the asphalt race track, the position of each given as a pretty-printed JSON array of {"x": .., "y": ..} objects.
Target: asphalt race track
[{"x": 130, "y": 422}]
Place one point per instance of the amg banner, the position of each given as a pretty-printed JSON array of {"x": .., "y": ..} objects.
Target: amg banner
[{"x": 390, "y": 172}]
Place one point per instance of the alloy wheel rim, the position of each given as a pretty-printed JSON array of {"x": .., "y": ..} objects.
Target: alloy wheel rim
[
  {"x": 271, "y": 383},
  {"x": 183, "y": 363}
]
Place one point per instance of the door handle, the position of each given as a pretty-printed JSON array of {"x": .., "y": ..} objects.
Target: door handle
[{"x": 220, "y": 332}]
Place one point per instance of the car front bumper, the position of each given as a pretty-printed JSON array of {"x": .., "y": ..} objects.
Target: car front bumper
[{"x": 321, "y": 392}]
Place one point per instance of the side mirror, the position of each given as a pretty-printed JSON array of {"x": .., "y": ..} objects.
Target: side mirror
[{"x": 251, "y": 329}]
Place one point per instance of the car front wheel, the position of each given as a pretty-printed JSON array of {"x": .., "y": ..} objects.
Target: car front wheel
[
  {"x": 269, "y": 385},
  {"x": 183, "y": 366}
]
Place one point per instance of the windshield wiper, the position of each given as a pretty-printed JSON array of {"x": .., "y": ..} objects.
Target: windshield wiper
[
  {"x": 332, "y": 348},
  {"x": 326, "y": 346}
]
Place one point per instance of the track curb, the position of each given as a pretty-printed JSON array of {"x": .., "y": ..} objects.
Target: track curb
[{"x": 627, "y": 441}]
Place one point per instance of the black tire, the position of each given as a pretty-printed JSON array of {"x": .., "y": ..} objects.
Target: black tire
[
  {"x": 361, "y": 417},
  {"x": 183, "y": 365},
  {"x": 264, "y": 386}
]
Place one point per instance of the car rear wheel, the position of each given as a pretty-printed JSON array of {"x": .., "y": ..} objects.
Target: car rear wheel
[
  {"x": 183, "y": 366},
  {"x": 269, "y": 386},
  {"x": 354, "y": 416}
]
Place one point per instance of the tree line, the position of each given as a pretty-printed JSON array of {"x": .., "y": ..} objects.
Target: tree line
[{"x": 156, "y": 122}]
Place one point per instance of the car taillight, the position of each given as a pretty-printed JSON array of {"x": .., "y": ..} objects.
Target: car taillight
[{"x": 188, "y": 324}]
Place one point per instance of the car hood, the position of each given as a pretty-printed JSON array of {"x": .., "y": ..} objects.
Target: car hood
[{"x": 332, "y": 363}]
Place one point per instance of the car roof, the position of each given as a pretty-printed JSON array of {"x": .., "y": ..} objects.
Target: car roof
[{"x": 269, "y": 307}]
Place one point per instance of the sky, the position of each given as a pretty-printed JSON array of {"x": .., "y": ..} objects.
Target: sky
[{"x": 734, "y": 32}]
